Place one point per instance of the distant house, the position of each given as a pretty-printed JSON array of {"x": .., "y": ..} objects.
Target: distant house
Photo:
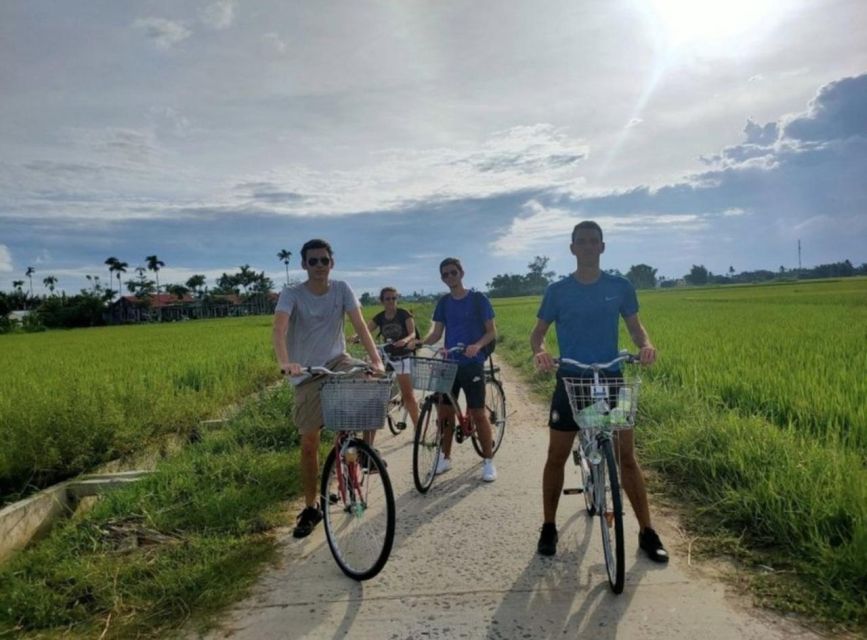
[{"x": 167, "y": 307}]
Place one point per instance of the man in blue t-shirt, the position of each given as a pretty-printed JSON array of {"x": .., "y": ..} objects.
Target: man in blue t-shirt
[
  {"x": 468, "y": 318},
  {"x": 586, "y": 307}
]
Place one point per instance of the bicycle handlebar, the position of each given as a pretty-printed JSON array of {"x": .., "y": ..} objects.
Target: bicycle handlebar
[
  {"x": 623, "y": 356},
  {"x": 328, "y": 372}
]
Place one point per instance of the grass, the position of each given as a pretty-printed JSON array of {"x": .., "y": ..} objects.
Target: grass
[{"x": 201, "y": 521}]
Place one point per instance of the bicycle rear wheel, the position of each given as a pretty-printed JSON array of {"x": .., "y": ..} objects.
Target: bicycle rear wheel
[
  {"x": 360, "y": 522},
  {"x": 610, "y": 505},
  {"x": 426, "y": 445},
  {"x": 495, "y": 407},
  {"x": 587, "y": 483}
]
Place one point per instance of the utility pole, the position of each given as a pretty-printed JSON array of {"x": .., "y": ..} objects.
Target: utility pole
[{"x": 799, "y": 256}]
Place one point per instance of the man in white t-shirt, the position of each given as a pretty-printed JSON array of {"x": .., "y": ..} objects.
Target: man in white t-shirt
[{"x": 308, "y": 332}]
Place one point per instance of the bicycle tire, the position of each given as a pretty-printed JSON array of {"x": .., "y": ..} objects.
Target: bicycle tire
[
  {"x": 426, "y": 446},
  {"x": 608, "y": 489},
  {"x": 495, "y": 406},
  {"x": 396, "y": 409},
  {"x": 360, "y": 524},
  {"x": 587, "y": 482}
]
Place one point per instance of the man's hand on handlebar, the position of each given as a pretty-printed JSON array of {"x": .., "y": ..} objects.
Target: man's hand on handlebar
[{"x": 544, "y": 361}]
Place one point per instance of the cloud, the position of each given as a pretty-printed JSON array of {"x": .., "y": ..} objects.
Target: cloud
[
  {"x": 5, "y": 259},
  {"x": 837, "y": 112},
  {"x": 218, "y": 15},
  {"x": 274, "y": 42},
  {"x": 164, "y": 33}
]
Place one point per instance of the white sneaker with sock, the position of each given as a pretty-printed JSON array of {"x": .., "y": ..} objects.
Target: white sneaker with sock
[
  {"x": 443, "y": 464},
  {"x": 489, "y": 473}
]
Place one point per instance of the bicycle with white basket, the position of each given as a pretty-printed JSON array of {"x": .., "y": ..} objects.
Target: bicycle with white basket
[
  {"x": 436, "y": 376},
  {"x": 601, "y": 406},
  {"x": 356, "y": 496}
]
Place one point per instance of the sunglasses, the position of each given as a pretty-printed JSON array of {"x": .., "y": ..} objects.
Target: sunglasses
[
  {"x": 389, "y": 299},
  {"x": 449, "y": 274},
  {"x": 312, "y": 262}
]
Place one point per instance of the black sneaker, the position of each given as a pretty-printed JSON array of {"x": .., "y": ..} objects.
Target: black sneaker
[
  {"x": 305, "y": 522},
  {"x": 547, "y": 540},
  {"x": 652, "y": 545}
]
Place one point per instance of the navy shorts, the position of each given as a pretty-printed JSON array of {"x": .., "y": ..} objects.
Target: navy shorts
[
  {"x": 560, "y": 417},
  {"x": 470, "y": 378}
]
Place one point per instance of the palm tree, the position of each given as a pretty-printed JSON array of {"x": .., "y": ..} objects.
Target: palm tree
[
  {"x": 284, "y": 255},
  {"x": 196, "y": 283},
  {"x": 119, "y": 268},
  {"x": 29, "y": 273},
  {"x": 17, "y": 285},
  {"x": 111, "y": 262},
  {"x": 246, "y": 277},
  {"x": 155, "y": 264},
  {"x": 50, "y": 281}
]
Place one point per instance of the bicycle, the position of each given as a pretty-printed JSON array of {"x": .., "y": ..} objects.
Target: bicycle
[
  {"x": 398, "y": 416},
  {"x": 356, "y": 496},
  {"x": 601, "y": 406},
  {"x": 435, "y": 376}
]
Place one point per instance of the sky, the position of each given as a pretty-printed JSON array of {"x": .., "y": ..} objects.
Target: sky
[{"x": 216, "y": 133}]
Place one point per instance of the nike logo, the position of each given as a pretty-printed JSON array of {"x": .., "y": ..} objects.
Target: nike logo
[{"x": 609, "y": 299}]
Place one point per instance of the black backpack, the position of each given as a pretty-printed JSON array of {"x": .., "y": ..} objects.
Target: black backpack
[{"x": 488, "y": 349}]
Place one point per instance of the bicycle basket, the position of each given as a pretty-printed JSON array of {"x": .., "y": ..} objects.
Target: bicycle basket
[
  {"x": 355, "y": 404},
  {"x": 609, "y": 405},
  {"x": 433, "y": 374}
]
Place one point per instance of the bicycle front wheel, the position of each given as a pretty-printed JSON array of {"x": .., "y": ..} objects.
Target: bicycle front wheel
[
  {"x": 426, "y": 446},
  {"x": 495, "y": 407},
  {"x": 610, "y": 506},
  {"x": 396, "y": 417},
  {"x": 358, "y": 510}
]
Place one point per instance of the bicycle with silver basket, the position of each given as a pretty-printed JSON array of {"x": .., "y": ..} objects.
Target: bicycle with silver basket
[
  {"x": 436, "y": 377},
  {"x": 602, "y": 405},
  {"x": 356, "y": 496}
]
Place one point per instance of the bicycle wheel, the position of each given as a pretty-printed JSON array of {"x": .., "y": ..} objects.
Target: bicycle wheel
[
  {"x": 360, "y": 522},
  {"x": 586, "y": 477},
  {"x": 610, "y": 505},
  {"x": 396, "y": 417},
  {"x": 426, "y": 446},
  {"x": 495, "y": 406}
]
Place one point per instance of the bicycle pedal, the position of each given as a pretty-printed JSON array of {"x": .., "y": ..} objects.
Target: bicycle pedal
[{"x": 572, "y": 492}]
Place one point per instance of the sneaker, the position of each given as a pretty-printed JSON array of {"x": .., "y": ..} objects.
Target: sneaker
[
  {"x": 489, "y": 473},
  {"x": 547, "y": 540},
  {"x": 306, "y": 521},
  {"x": 444, "y": 464},
  {"x": 650, "y": 543}
]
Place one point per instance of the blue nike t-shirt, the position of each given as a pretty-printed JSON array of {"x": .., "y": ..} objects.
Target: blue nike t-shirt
[
  {"x": 463, "y": 322},
  {"x": 587, "y": 316}
]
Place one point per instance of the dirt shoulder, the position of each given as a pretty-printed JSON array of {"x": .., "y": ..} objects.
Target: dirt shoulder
[{"x": 464, "y": 565}]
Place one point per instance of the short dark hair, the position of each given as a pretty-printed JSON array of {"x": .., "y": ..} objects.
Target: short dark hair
[
  {"x": 453, "y": 261},
  {"x": 316, "y": 243},
  {"x": 386, "y": 290},
  {"x": 587, "y": 224}
]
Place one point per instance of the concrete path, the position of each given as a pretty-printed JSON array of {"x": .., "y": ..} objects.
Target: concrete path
[{"x": 464, "y": 566}]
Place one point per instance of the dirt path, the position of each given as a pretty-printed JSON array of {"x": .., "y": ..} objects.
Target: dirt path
[{"x": 464, "y": 566}]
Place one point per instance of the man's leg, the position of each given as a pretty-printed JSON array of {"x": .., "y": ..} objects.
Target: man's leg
[
  {"x": 559, "y": 449},
  {"x": 310, "y": 466}
]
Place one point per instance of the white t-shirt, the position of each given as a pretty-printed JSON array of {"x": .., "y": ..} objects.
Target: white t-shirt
[{"x": 315, "y": 334}]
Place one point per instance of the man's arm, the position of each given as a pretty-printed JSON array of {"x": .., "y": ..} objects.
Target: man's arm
[
  {"x": 647, "y": 352},
  {"x": 278, "y": 338},
  {"x": 434, "y": 334},
  {"x": 366, "y": 339},
  {"x": 489, "y": 336},
  {"x": 541, "y": 357}
]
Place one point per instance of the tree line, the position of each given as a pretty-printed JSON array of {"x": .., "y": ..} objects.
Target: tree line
[{"x": 92, "y": 305}]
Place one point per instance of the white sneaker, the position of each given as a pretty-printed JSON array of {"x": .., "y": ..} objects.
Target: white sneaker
[
  {"x": 443, "y": 464},
  {"x": 489, "y": 473}
]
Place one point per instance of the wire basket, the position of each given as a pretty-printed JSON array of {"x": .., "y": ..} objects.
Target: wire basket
[
  {"x": 355, "y": 404},
  {"x": 609, "y": 405},
  {"x": 433, "y": 374}
]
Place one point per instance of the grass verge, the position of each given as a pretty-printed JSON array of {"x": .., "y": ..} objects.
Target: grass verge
[
  {"x": 791, "y": 505},
  {"x": 170, "y": 550}
]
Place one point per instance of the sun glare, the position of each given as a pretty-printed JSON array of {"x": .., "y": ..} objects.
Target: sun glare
[{"x": 686, "y": 22}]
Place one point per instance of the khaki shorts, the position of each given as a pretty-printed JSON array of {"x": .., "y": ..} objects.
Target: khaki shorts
[{"x": 307, "y": 412}]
